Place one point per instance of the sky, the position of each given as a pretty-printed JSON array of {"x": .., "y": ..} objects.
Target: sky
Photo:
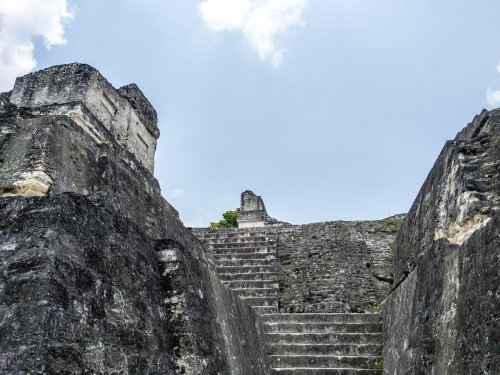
[{"x": 328, "y": 109}]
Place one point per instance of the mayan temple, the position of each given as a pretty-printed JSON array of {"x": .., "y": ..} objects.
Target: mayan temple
[{"x": 98, "y": 275}]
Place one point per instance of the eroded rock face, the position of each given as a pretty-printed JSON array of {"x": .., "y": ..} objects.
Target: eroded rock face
[
  {"x": 331, "y": 267},
  {"x": 82, "y": 93},
  {"x": 72, "y": 291},
  {"x": 97, "y": 272},
  {"x": 443, "y": 317},
  {"x": 336, "y": 266},
  {"x": 252, "y": 212}
]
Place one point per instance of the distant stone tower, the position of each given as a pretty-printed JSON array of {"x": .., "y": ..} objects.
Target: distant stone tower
[
  {"x": 82, "y": 93},
  {"x": 252, "y": 211}
]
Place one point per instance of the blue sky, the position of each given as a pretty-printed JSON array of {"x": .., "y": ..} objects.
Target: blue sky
[{"x": 328, "y": 109}]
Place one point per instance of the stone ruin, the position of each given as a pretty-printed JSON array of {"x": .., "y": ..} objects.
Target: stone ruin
[
  {"x": 99, "y": 276},
  {"x": 252, "y": 212},
  {"x": 85, "y": 96}
]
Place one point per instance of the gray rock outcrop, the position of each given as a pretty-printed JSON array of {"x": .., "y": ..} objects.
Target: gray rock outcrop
[
  {"x": 252, "y": 213},
  {"x": 443, "y": 316},
  {"x": 97, "y": 273}
]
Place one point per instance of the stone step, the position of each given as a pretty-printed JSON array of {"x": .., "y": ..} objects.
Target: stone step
[
  {"x": 323, "y": 327},
  {"x": 244, "y": 262},
  {"x": 326, "y": 306},
  {"x": 323, "y": 317},
  {"x": 235, "y": 233},
  {"x": 324, "y": 338},
  {"x": 324, "y": 371},
  {"x": 247, "y": 269},
  {"x": 261, "y": 301},
  {"x": 242, "y": 256},
  {"x": 238, "y": 284},
  {"x": 257, "y": 292},
  {"x": 250, "y": 244},
  {"x": 241, "y": 240},
  {"x": 332, "y": 349},
  {"x": 287, "y": 361},
  {"x": 249, "y": 276},
  {"x": 265, "y": 309},
  {"x": 326, "y": 303},
  {"x": 240, "y": 245},
  {"x": 244, "y": 250}
]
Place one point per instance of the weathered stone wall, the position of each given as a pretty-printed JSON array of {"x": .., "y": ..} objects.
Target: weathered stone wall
[
  {"x": 126, "y": 113},
  {"x": 243, "y": 332},
  {"x": 52, "y": 154},
  {"x": 97, "y": 273},
  {"x": 252, "y": 211},
  {"x": 443, "y": 317},
  {"x": 81, "y": 290},
  {"x": 333, "y": 266}
]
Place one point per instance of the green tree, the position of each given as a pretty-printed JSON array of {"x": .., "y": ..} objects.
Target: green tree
[{"x": 229, "y": 220}]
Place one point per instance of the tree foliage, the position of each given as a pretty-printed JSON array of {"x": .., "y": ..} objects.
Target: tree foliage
[{"x": 229, "y": 220}]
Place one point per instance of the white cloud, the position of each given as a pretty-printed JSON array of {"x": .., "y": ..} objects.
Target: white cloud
[
  {"x": 20, "y": 22},
  {"x": 498, "y": 68},
  {"x": 223, "y": 15},
  {"x": 493, "y": 97},
  {"x": 260, "y": 21}
]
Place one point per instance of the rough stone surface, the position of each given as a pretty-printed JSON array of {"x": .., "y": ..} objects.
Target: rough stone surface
[
  {"x": 82, "y": 93},
  {"x": 97, "y": 273},
  {"x": 252, "y": 212},
  {"x": 300, "y": 342},
  {"x": 323, "y": 267},
  {"x": 335, "y": 266},
  {"x": 142, "y": 106},
  {"x": 81, "y": 290},
  {"x": 247, "y": 261},
  {"x": 443, "y": 317}
]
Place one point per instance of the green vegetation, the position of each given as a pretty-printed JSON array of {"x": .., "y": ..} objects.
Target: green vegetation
[
  {"x": 389, "y": 225},
  {"x": 392, "y": 247},
  {"x": 379, "y": 364},
  {"x": 375, "y": 308},
  {"x": 229, "y": 220}
]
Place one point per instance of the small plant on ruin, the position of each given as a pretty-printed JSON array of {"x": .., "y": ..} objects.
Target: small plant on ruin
[
  {"x": 229, "y": 220},
  {"x": 379, "y": 364},
  {"x": 375, "y": 308},
  {"x": 389, "y": 225}
]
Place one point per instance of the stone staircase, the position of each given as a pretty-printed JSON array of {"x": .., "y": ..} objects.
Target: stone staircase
[
  {"x": 297, "y": 343},
  {"x": 246, "y": 263},
  {"x": 326, "y": 344}
]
